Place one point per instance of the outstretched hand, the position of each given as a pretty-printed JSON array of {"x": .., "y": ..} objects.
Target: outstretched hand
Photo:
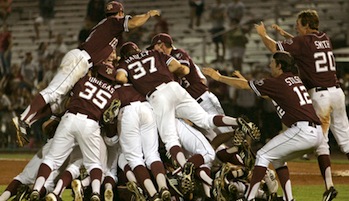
[
  {"x": 153, "y": 13},
  {"x": 237, "y": 73},
  {"x": 214, "y": 74},
  {"x": 260, "y": 28}
]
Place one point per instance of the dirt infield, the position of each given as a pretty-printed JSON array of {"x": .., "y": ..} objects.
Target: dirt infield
[{"x": 302, "y": 173}]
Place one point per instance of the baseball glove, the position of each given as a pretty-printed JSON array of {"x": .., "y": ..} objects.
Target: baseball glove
[
  {"x": 249, "y": 128},
  {"x": 113, "y": 110},
  {"x": 21, "y": 132}
]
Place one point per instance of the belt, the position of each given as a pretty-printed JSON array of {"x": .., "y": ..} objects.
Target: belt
[
  {"x": 156, "y": 88},
  {"x": 311, "y": 124},
  {"x": 86, "y": 115},
  {"x": 150, "y": 92},
  {"x": 323, "y": 88},
  {"x": 199, "y": 100}
]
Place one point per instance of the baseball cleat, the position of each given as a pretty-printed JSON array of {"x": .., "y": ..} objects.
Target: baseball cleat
[
  {"x": 95, "y": 197},
  {"x": 217, "y": 190},
  {"x": 35, "y": 196},
  {"x": 52, "y": 197},
  {"x": 187, "y": 181},
  {"x": 155, "y": 197},
  {"x": 21, "y": 131},
  {"x": 77, "y": 190},
  {"x": 22, "y": 193},
  {"x": 137, "y": 192},
  {"x": 174, "y": 184},
  {"x": 108, "y": 195},
  {"x": 330, "y": 194},
  {"x": 165, "y": 194},
  {"x": 249, "y": 128}
]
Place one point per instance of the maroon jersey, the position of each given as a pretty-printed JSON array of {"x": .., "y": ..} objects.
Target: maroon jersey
[
  {"x": 104, "y": 37},
  {"x": 92, "y": 96},
  {"x": 314, "y": 57},
  {"x": 290, "y": 97},
  {"x": 147, "y": 70},
  {"x": 191, "y": 82},
  {"x": 129, "y": 94}
]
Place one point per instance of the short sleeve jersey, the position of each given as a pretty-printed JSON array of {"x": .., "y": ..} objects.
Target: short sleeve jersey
[
  {"x": 314, "y": 57},
  {"x": 147, "y": 70},
  {"x": 104, "y": 37},
  {"x": 289, "y": 96},
  {"x": 191, "y": 82},
  {"x": 92, "y": 96}
]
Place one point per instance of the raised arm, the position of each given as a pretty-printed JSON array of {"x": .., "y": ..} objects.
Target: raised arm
[
  {"x": 178, "y": 69},
  {"x": 282, "y": 32},
  {"x": 139, "y": 20},
  {"x": 268, "y": 42},
  {"x": 240, "y": 82}
]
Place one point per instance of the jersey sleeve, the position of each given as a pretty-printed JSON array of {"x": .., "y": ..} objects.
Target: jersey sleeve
[
  {"x": 264, "y": 87},
  {"x": 293, "y": 45}
]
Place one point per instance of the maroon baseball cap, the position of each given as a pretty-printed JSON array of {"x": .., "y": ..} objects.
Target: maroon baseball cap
[
  {"x": 107, "y": 71},
  {"x": 160, "y": 38},
  {"x": 113, "y": 7}
]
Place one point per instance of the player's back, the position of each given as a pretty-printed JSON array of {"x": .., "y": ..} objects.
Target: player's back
[
  {"x": 103, "y": 38},
  {"x": 92, "y": 96},
  {"x": 147, "y": 70}
]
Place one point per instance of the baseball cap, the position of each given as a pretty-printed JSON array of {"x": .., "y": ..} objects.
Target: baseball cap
[
  {"x": 128, "y": 49},
  {"x": 113, "y": 7},
  {"x": 107, "y": 71},
  {"x": 160, "y": 38}
]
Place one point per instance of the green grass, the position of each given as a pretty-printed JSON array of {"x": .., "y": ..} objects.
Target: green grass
[{"x": 300, "y": 192}]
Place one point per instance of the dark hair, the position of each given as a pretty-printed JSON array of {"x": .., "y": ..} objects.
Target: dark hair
[
  {"x": 286, "y": 61},
  {"x": 309, "y": 17}
]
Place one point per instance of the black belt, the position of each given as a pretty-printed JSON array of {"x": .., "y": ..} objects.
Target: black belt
[
  {"x": 323, "y": 88},
  {"x": 311, "y": 124},
  {"x": 199, "y": 100},
  {"x": 151, "y": 92}
]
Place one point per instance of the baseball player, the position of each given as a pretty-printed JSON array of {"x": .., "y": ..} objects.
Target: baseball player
[
  {"x": 73, "y": 171},
  {"x": 312, "y": 50},
  {"x": 139, "y": 141},
  {"x": 193, "y": 82},
  {"x": 28, "y": 175},
  {"x": 296, "y": 111},
  {"x": 92, "y": 96},
  {"x": 152, "y": 74},
  {"x": 102, "y": 40}
]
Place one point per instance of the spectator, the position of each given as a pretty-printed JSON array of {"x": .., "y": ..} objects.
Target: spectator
[
  {"x": 5, "y": 50},
  {"x": 236, "y": 41},
  {"x": 41, "y": 54},
  {"x": 5, "y": 9},
  {"x": 95, "y": 12},
  {"x": 60, "y": 48},
  {"x": 197, "y": 7},
  {"x": 217, "y": 16},
  {"x": 235, "y": 11},
  {"x": 29, "y": 72},
  {"x": 46, "y": 16}
]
